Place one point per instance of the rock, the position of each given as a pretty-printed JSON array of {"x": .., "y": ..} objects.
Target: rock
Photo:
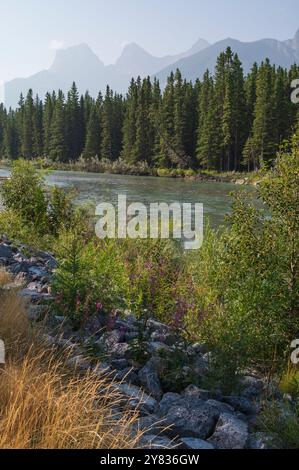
[
  {"x": 36, "y": 313},
  {"x": 120, "y": 350},
  {"x": 198, "y": 348},
  {"x": 137, "y": 399},
  {"x": 201, "y": 365},
  {"x": 154, "y": 347},
  {"x": 259, "y": 441},
  {"x": 219, "y": 407},
  {"x": 167, "y": 402},
  {"x": 149, "y": 379},
  {"x": 6, "y": 252},
  {"x": 120, "y": 364},
  {"x": 51, "y": 263},
  {"x": 150, "y": 424},
  {"x": 252, "y": 387},
  {"x": 242, "y": 404},
  {"x": 155, "y": 442},
  {"x": 109, "y": 340},
  {"x": 79, "y": 363},
  {"x": 189, "y": 416},
  {"x": 131, "y": 335},
  {"x": 196, "y": 392},
  {"x": 127, "y": 375},
  {"x": 230, "y": 433},
  {"x": 156, "y": 326},
  {"x": 196, "y": 444}
]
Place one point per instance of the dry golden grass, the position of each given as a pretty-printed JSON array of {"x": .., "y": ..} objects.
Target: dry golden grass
[
  {"x": 43, "y": 405},
  {"x": 5, "y": 277}
]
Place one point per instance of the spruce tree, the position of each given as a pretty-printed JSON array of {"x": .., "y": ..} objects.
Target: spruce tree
[{"x": 57, "y": 145}]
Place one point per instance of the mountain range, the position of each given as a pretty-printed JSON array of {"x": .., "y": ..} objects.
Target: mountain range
[{"x": 80, "y": 64}]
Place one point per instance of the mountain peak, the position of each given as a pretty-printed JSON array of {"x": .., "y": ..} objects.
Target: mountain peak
[{"x": 80, "y": 55}]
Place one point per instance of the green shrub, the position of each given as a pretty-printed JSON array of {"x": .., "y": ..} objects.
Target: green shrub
[
  {"x": 24, "y": 193},
  {"x": 281, "y": 423}
]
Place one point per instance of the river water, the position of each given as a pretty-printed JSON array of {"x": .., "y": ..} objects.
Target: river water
[{"x": 95, "y": 188}]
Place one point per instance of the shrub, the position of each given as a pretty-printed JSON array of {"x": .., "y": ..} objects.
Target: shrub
[{"x": 24, "y": 194}]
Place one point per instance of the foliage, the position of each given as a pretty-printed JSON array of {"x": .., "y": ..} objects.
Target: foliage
[{"x": 281, "y": 423}]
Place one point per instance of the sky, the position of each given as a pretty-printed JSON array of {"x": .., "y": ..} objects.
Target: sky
[{"x": 32, "y": 30}]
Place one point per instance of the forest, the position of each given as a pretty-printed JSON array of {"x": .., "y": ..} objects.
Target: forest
[{"x": 225, "y": 122}]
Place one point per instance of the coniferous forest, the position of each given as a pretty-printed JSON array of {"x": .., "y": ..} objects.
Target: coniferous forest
[{"x": 225, "y": 122}]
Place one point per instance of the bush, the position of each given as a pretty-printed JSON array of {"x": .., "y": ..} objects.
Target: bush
[
  {"x": 24, "y": 193},
  {"x": 243, "y": 285},
  {"x": 34, "y": 214}
]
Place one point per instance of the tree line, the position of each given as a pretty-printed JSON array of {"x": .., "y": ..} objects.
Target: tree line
[{"x": 226, "y": 121}]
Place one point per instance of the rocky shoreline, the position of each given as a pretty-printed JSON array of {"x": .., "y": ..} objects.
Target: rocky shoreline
[{"x": 153, "y": 369}]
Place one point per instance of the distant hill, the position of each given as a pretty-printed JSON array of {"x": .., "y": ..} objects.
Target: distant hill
[
  {"x": 82, "y": 65},
  {"x": 283, "y": 53}
]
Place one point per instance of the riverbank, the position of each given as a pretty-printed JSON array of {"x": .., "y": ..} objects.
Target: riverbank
[
  {"x": 148, "y": 384},
  {"x": 120, "y": 167}
]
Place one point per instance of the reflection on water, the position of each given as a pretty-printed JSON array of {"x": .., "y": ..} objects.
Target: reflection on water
[{"x": 95, "y": 188}]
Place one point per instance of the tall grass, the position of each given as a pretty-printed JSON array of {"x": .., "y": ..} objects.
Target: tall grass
[{"x": 44, "y": 405}]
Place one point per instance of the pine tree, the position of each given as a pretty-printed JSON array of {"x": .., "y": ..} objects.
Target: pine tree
[
  {"x": 107, "y": 122},
  {"x": 74, "y": 130},
  {"x": 93, "y": 134},
  {"x": 129, "y": 128},
  {"x": 57, "y": 145},
  {"x": 263, "y": 138},
  {"x": 47, "y": 121},
  {"x": 27, "y": 127}
]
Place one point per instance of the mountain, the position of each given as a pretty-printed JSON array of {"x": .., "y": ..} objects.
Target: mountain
[
  {"x": 80, "y": 64},
  {"x": 283, "y": 53},
  {"x": 136, "y": 61}
]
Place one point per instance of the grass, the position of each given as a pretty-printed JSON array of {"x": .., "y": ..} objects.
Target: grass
[{"x": 44, "y": 405}]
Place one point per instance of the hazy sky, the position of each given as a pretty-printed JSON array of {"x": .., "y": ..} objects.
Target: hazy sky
[{"x": 31, "y": 30}]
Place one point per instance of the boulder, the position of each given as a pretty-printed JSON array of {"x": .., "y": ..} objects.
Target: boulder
[
  {"x": 137, "y": 399},
  {"x": 155, "y": 442},
  {"x": 242, "y": 404},
  {"x": 6, "y": 252},
  {"x": 230, "y": 433},
  {"x": 189, "y": 416},
  {"x": 196, "y": 444},
  {"x": 149, "y": 378}
]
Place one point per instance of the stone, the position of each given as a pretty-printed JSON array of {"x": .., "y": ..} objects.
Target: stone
[
  {"x": 137, "y": 399},
  {"x": 198, "y": 348},
  {"x": 120, "y": 350},
  {"x": 6, "y": 252},
  {"x": 167, "y": 401},
  {"x": 242, "y": 404},
  {"x": 193, "y": 419},
  {"x": 120, "y": 364},
  {"x": 196, "y": 444},
  {"x": 196, "y": 392},
  {"x": 155, "y": 442},
  {"x": 35, "y": 313},
  {"x": 154, "y": 347},
  {"x": 259, "y": 441},
  {"x": 127, "y": 375},
  {"x": 151, "y": 424},
  {"x": 149, "y": 379},
  {"x": 79, "y": 363},
  {"x": 230, "y": 433},
  {"x": 252, "y": 387},
  {"x": 201, "y": 366}
]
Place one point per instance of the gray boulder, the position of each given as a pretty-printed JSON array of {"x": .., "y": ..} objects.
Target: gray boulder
[
  {"x": 230, "y": 433},
  {"x": 188, "y": 416},
  {"x": 149, "y": 378},
  {"x": 196, "y": 444},
  {"x": 137, "y": 399}
]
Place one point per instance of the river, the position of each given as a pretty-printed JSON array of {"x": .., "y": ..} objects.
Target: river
[{"x": 94, "y": 188}]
